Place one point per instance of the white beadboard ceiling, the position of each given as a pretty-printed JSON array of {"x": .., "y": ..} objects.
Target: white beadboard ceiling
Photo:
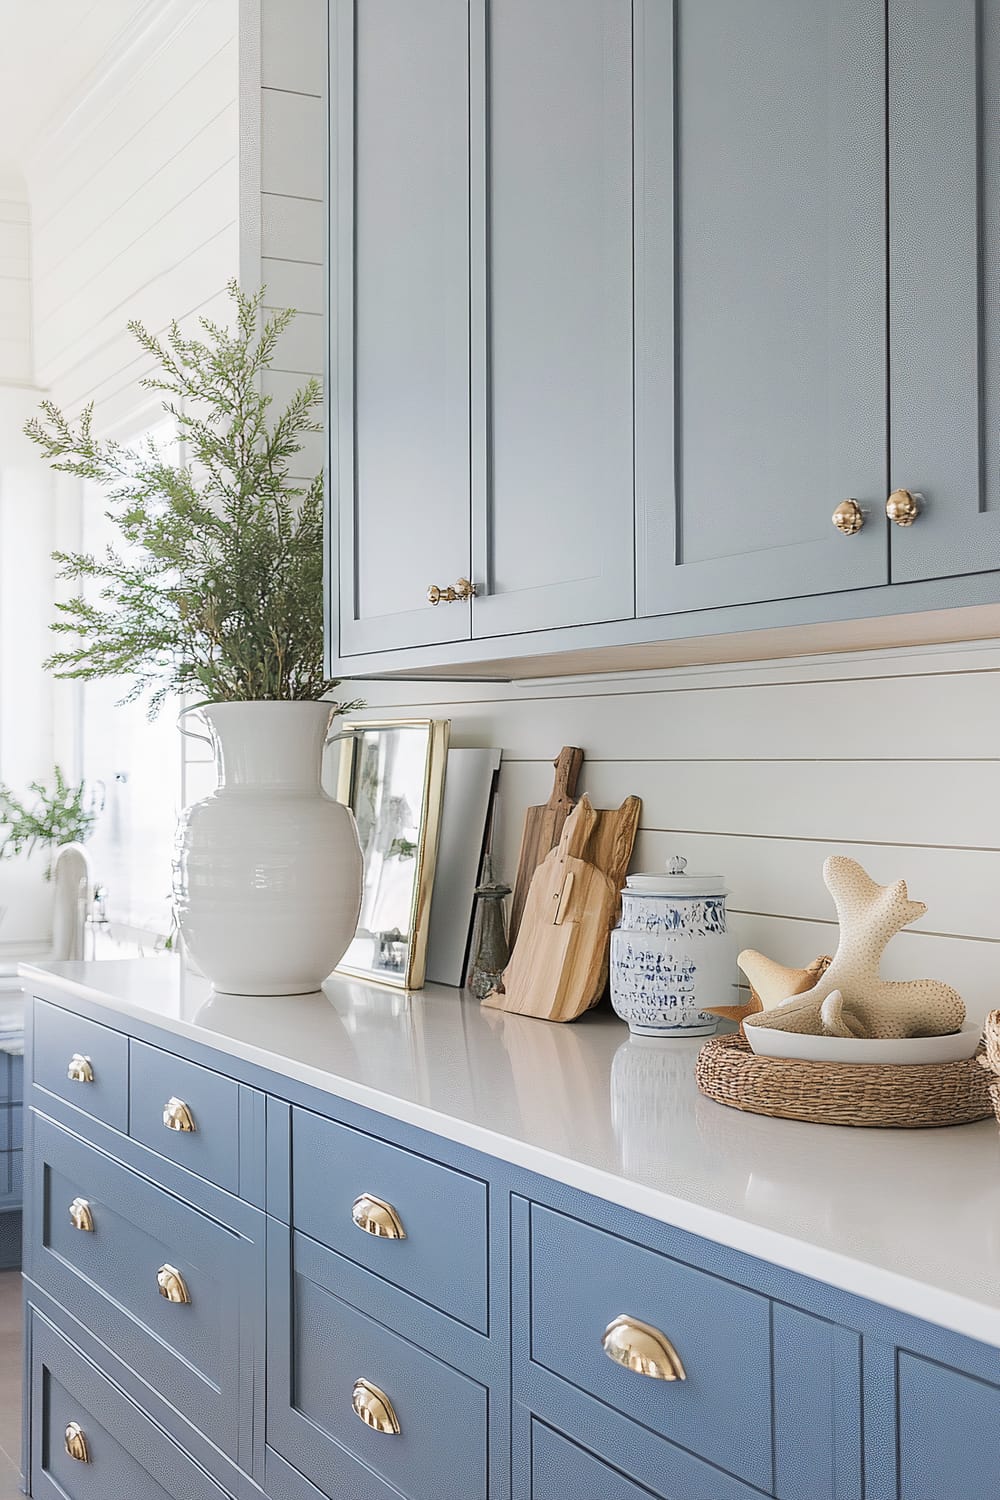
[{"x": 51, "y": 54}]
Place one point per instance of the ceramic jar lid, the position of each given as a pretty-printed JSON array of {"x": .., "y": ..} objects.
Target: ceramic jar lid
[{"x": 675, "y": 882}]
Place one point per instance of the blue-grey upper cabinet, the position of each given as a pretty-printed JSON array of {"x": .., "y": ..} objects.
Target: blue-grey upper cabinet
[
  {"x": 944, "y": 222},
  {"x": 399, "y": 376},
  {"x": 552, "y": 275},
  {"x": 760, "y": 298}
]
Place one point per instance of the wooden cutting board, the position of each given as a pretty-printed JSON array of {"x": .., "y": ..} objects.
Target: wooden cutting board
[
  {"x": 542, "y": 829},
  {"x": 559, "y": 965},
  {"x": 611, "y": 843}
]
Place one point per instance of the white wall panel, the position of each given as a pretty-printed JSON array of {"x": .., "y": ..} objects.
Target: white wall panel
[
  {"x": 292, "y": 228},
  {"x": 293, "y": 129},
  {"x": 135, "y": 200},
  {"x": 758, "y": 772}
]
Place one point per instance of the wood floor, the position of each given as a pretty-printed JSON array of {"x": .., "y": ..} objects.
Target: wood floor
[{"x": 10, "y": 1385}]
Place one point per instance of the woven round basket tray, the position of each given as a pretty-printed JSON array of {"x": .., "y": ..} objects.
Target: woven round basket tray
[{"x": 892, "y": 1096}]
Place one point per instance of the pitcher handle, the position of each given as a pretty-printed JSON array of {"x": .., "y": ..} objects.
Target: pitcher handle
[{"x": 192, "y": 734}]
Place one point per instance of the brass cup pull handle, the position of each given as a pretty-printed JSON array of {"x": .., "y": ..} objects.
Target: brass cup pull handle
[
  {"x": 177, "y": 1116},
  {"x": 461, "y": 592},
  {"x": 374, "y": 1408},
  {"x": 76, "y": 1443},
  {"x": 375, "y": 1216},
  {"x": 642, "y": 1348},
  {"x": 172, "y": 1284},
  {"x": 848, "y": 517},
  {"x": 903, "y": 507},
  {"x": 80, "y": 1215},
  {"x": 80, "y": 1069}
]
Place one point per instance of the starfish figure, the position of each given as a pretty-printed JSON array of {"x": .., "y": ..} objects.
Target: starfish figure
[{"x": 851, "y": 998}]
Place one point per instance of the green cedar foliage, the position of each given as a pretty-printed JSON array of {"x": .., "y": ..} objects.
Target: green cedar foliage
[
  {"x": 64, "y": 814},
  {"x": 215, "y": 589}
]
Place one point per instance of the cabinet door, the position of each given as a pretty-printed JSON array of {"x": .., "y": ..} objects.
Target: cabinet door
[
  {"x": 760, "y": 298},
  {"x": 552, "y": 405},
  {"x": 944, "y": 198},
  {"x": 400, "y": 294}
]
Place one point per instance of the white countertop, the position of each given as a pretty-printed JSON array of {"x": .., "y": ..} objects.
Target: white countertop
[{"x": 907, "y": 1218}]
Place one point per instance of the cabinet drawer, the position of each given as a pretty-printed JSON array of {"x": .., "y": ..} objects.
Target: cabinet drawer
[
  {"x": 442, "y": 1258},
  {"x": 120, "y": 1452},
  {"x": 559, "y": 1467},
  {"x": 947, "y": 1425},
  {"x": 439, "y": 1450},
  {"x": 583, "y": 1278},
  {"x": 203, "y": 1105},
  {"x": 123, "y": 1260},
  {"x": 65, "y": 1043}
]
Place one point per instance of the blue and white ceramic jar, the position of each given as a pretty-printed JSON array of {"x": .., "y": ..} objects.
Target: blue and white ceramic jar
[{"x": 671, "y": 953}]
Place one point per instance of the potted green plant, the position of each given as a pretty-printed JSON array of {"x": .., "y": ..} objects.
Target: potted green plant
[
  {"x": 214, "y": 591},
  {"x": 63, "y": 813}
]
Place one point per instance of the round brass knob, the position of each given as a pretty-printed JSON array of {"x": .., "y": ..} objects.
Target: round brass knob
[
  {"x": 461, "y": 592},
  {"x": 903, "y": 507},
  {"x": 375, "y": 1216},
  {"x": 374, "y": 1408},
  {"x": 848, "y": 517},
  {"x": 81, "y": 1216},
  {"x": 177, "y": 1116},
  {"x": 80, "y": 1069},
  {"x": 172, "y": 1284},
  {"x": 642, "y": 1348},
  {"x": 76, "y": 1443}
]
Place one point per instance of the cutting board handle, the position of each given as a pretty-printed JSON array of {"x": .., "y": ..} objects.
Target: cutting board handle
[
  {"x": 577, "y": 830},
  {"x": 567, "y": 764}
]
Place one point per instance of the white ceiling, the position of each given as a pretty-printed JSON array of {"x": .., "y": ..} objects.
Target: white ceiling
[{"x": 50, "y": 52}]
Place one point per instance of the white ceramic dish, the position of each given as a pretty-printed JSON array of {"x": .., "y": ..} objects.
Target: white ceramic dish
[{"x": 841, "y": 1049}]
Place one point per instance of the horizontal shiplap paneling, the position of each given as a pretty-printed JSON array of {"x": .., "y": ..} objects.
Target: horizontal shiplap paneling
[
  {"x": 135, "y": 209},
  {"x": 759, "y": 772},
  {"x": 292, "y": 228}
]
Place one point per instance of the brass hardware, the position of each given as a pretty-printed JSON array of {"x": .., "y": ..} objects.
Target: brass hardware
[
  {"x": 640, "y": 1347},
  {"x": 172, "y": 1284},
  {"x": 80, "y": 1069},
  {"x": 80, "y": 1215},
  {"x": 76, "y": 1443},
  {"x": 374, "y": 1408},
  {"x": 375, "y": 1216},
  {"x": 462, "y": 592},
  {"x": 903, "y": 507},
  {"x": 848, "y": 517},
  {"x": 177, "y": 1116}
]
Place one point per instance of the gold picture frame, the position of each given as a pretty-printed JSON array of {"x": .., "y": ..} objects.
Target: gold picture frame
[{"x": 391, "y": 775}]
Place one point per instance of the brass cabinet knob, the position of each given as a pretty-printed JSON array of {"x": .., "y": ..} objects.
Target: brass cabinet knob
[
  {"x": 374, "y": 1408},
  {"x": 80, "y": 1215},
  {"x": 462, "y": 592},
  {"x": 375, "y": 1216},
  {"x": 80, "y": 1069},
  {"x": 177, "y": 1116},
  {"x": 76, "y": 1443},
  {"x": 903, "y": 507},
  {"x": 640, "y": 1347},
  {"x": 172, "y": 1284},
  {"x": 848, "y": 517}
]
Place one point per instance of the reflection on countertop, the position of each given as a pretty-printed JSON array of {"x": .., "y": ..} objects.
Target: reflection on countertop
[{"x": 909, "y": 1218}]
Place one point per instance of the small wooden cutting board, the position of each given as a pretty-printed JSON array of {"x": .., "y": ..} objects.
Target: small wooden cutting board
[
  {"x": 559, "y": 966},
  {"x": 543, "y": 827}
]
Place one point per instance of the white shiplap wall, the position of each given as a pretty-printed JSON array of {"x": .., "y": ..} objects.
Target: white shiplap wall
[
  {"x": 759, "y": 772},
  {"x": 15, "y": 280},
  {"x": 135, "y": 205},
  {"x": 292, "y": 124}
]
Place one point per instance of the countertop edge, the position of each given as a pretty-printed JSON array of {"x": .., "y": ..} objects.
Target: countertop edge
[{"x": 905, "y": 1294}]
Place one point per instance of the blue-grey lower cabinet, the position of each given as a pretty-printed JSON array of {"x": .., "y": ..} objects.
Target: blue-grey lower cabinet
[
  {"x": 316, "y": 1302},
  {"x": 11, "y": 1158}
]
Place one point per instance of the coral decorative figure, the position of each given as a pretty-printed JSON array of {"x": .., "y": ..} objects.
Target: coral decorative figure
[{"x": 851, "y": 998}]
